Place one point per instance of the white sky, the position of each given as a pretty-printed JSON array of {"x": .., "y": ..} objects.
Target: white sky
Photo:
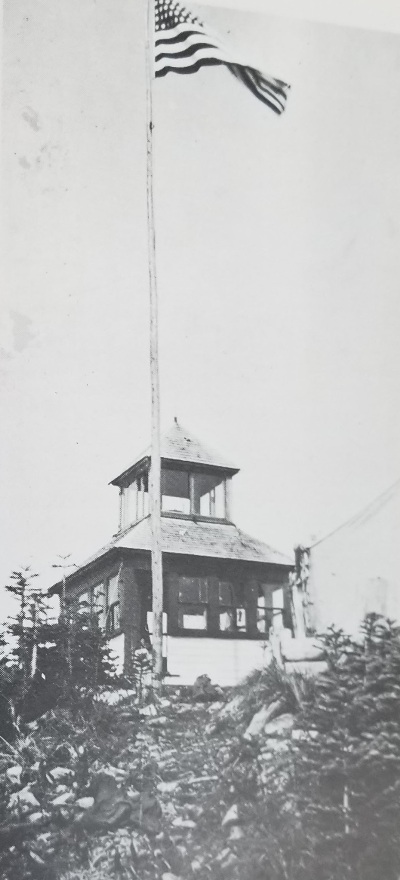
[{"x": 278, "y": 267}]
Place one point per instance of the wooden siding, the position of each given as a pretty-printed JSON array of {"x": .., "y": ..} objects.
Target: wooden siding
[{"x": 226, "y": 662}]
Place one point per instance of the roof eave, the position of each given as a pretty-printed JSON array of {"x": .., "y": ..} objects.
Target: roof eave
[
  {"x": 187, "y": 464},
  {"x": 56, "y": 589}
]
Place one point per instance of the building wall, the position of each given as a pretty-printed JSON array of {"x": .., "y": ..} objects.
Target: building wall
[
  {"x": 225, "y": 659},
  {"x": 356, "y": 570},
  {"x": 226, "y": 662}
]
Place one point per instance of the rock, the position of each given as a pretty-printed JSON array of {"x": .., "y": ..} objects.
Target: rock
[
  {"x": 169, "y": 876},
  {"x": 232, "y": 707},
  {"x": 66, "y": 798},
  {"x": 223, "y": 854},
  {"x": 274, "y": 745},
  {"x": 303, "y": 735},
  {"x": 64, "y": 754},
  {"x": 159, "y": 721},
  {"x": 149, "y": 711},
  {"x": 59, "y": 773},
  {"x": 165, "y": 703},
  {"x": 183, "y": 823},
  {"x": 116, "y": 772},
  {"x": 14, "y": 774},
  {"x": 231, "y": 817},
  {"x": 236, "y": 832},
  {"x": 280, "y": 726},
  {"x": 168, "y": 787},
  {"x": 216, "y": 707},
  {"x": 24, "y": 799},
  {"x": 261, "y": 718},
  {"x": 229, "y": 861},
  {"x": 84, "y": 803},
  {"x": 36, "y": 818},
  {"x": 203, "y": 691}
]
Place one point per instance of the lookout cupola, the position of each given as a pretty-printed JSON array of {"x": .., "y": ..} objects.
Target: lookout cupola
[{"x": 195, "y": 482}]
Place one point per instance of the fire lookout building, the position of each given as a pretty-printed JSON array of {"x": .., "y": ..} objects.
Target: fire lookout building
[{"x": 223, "y": 590}]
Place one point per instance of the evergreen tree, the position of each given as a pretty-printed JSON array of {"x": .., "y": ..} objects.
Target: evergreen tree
[
  {"x": 48, "y": 661},
  {"x": 346, "y": 770}
]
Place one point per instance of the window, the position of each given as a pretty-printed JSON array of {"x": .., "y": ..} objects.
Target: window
[
  {"x": 195, "y": 494},
  {"x": 113, "y": 605},
  {"x": 232, "y": 613},
  {"x": 175, "y": 491},
  {"x": 84, "y": 603},
  {"x": 134, "y": 501},
  {"x": 102, "y": 602},
  {"x": 262, "y": 613},
  {"x": 192, "y": 595},
  {"x": 99, "y": 604},
  {"x": 219, "y": 607},
  {"x": 209, "y": 495}
]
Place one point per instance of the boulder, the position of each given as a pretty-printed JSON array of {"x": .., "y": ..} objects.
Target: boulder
[
  {"x": 66, "y": 798},
  {"x": 25, "y": 799},
  {"x": 183, "y": 823},
  {"x": 231, "y": 817},
  {"x": 85, "y": 803},
  {"x": 204, "y": 691},
  {"x": 261, "y": 718},
  {"x": 169, "y": 876},
  {"x": 232, "y": 707},
  {"x": 236, "y": 832},
  {"x": 281, "y": 726},
  {"x": 14, "y": 774},
  {"x": 64, "y": 754},
  {"x": 61, "y": 773},
  {"x": 168, "y": 787}
]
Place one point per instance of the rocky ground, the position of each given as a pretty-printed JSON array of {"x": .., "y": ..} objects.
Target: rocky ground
[{"x": 154, "y": 790}]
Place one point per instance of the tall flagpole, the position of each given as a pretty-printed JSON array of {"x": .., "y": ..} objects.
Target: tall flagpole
[{"x": 155, "y": 469}]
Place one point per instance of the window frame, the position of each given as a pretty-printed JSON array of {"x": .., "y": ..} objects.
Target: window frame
[
  {"x": 245, "y": 596},
  {"x": 110, "y": 611}
]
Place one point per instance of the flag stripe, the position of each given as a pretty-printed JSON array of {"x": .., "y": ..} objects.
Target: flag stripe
[
  {"x": 188, "y": 52},
  {"x": 182, "y": 45},
  {"x": 261, "y": 91},
  {"x": 177, "y": 32},
  {"x": 192, "y": 68},
  {"x": 200, "y": 56}
]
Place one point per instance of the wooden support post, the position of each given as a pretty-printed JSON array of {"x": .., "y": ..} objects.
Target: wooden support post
[
  {"x": 227, "y": 487},
  {"x": 155, "y": 469}
]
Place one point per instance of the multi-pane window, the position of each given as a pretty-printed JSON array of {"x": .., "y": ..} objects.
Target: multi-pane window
[
  {"x": 219, "y": 607},
  {"x": 193, "y": 595},
  {"x": 99, "y": 604},
  {"x": 102, "y": 602},
  {"x": 134, "y": 501},
  {"x": 232, "y": 613},
  {"x": 184, "y": 492},
  {"x": 113, "y": 605}
]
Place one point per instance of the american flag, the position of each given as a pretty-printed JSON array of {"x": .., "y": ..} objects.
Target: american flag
[{"x": 183, "y": 45}]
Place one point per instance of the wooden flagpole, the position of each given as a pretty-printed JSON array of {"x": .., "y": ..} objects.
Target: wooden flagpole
[{"x": 155, "y": 469}]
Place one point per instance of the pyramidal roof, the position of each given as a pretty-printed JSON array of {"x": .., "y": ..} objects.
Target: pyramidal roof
[
  {"x": 187, "y": 538},
  {"x": 179, "y": 445}
]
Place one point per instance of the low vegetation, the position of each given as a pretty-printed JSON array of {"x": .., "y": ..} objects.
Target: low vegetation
[{"x": 284, "y": 778}]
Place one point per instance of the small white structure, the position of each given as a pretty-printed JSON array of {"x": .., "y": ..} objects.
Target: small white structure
[{"x": 353, "y": 571}]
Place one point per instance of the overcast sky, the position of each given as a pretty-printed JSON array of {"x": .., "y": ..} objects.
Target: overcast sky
[{"x": 278, "y": 268}]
